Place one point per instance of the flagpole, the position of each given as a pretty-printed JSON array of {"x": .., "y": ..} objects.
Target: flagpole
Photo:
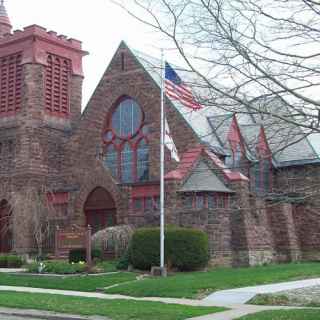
[{"x": 162, "y": 117}]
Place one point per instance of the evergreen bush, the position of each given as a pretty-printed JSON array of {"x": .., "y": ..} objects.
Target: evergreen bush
[
  {"x": 10, "y": 261},
  {"x": 3, "y": 262},
  {"x": 185, "y": 249},
  {"x": 123, "y": 263},
  {"x": 14, "y": 261},
  {"x": 77, "y": 255}
]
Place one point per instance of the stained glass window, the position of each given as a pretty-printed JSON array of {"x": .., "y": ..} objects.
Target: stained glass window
[
  {"x": 127, "y": 163},
  {"x": 262, "y": 175},
  {"x": 111, "y": 160},
  {"x": 200, "y": 201},
  {"x": 143, "y": 161},
  {"x": 211, "y": 201},
  {"x": 127, "y": 131},
  {"x": 127, "y": 118}
]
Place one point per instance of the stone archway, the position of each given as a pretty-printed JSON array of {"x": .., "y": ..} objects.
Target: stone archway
[
  {"x": 5, "y": 227},
  {"x": 100, "y": 209}
]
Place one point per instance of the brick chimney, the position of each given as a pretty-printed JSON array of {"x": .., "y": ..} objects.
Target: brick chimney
[{"x": 5, "y": 25}]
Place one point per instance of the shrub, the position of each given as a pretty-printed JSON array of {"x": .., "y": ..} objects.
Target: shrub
[
  {"x": 185, "y": 249},
  {"x": 3, "y": 262},
  {"x": 123, "y": 262},
  {"x": 96, "y": 254},
  {"x": 145, "y": 248},
  {"x": 10, "y": 261},
  {"x": 32, "y": 267},
  {"x": 77, "y": 255},
  {"x": 57, "y": 267},
  {"x": 116, "y": 239},
  {"x": 14, "y": 261}
]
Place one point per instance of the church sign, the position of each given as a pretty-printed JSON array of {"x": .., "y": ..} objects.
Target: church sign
[{"x": 74, "y": 237}]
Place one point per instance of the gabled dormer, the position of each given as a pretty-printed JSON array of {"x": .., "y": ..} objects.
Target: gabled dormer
[
  {"x": 236, "y": 144},
  {"x": 261, "y": 173}
]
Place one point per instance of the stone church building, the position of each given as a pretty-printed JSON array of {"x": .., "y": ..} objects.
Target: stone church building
[{"x": 240, "y": 178}]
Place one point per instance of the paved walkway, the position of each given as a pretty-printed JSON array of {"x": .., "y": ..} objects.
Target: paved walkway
[
  {"x": 243, "y": 295},
  {"x": 189, "y": 302},
  {"x": 6, "y": 270},
  {"x": 233, "y": 299},
  {"x": 238, "y": 311}
]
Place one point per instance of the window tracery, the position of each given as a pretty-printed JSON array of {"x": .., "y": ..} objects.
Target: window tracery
[{"x": 126, "y": 151}]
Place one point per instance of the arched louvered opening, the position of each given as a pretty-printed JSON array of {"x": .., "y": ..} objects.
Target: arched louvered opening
[
  {"x": 57, "y": 79},
  {"x": 10, "y": 84}
]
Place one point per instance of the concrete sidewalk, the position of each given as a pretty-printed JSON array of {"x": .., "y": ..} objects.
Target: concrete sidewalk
[
  {"x": 243, "y": 295},
  {"x": 18, "y": 314},
  {"x": 238, "y": 311},
  {"x": 97, "y": 295},
  {"x": 233, "y": 299}
]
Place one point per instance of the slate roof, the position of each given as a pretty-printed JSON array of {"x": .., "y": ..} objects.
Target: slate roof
[
  {"x": 203, "y": 178},
  {"x": 288, "y": 143}
]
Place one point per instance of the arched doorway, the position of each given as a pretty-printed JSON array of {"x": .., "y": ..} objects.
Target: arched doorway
[
  {"x": 100, "y": 210},
  {"x": 5, "y": 227}
]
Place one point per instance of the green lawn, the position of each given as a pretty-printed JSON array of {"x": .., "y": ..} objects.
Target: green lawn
[
  {"x": 195, "y": 284},
  {"x": 297, "y": 314},
  {"x": 78, "y": 283},
  {"x": 115, "y": 309},
  {"x": 189, "y": 285}
]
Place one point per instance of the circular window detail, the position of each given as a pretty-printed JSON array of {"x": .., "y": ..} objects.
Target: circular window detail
[
  {"x": 126, "y": 119},
  {"x": 108, "y": 136}
]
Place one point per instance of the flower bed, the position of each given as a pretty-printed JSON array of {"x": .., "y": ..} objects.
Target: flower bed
[{"x": 57, "y": 267}]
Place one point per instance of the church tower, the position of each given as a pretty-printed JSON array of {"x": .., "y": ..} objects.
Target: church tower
[{"x": 40, "y": 96}]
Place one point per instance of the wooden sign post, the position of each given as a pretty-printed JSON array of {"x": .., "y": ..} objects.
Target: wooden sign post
[{"x": 74, "y": 237}]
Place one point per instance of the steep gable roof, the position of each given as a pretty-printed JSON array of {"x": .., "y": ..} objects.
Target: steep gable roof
[
  {"x": 203, "y": 178},
  {"x": 190, "y": 159},
  {"x": 287, "y": 142}
]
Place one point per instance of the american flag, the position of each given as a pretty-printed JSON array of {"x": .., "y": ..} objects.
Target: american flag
[{"x": 178, "y": 90}]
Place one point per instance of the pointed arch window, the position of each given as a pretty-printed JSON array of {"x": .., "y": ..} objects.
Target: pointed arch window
[
  {"x": 125, "y": 136},
  {"x": 142, "y": 160},
  {"x": 235, "y": 141},
  {"x": 262, "y": 173},
  {"x": 127, "y": 163},
  {"x": 111, "y": 159}
]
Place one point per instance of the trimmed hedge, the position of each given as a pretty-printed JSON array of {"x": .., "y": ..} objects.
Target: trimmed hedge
[
  {"x": 10, "y": 261},
  {"x": 185, "y": 249}
]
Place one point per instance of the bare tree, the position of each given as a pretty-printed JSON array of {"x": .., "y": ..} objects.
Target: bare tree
[
  {"x": 29, "y": 205},
  {"x": 245, "y": 51}
]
